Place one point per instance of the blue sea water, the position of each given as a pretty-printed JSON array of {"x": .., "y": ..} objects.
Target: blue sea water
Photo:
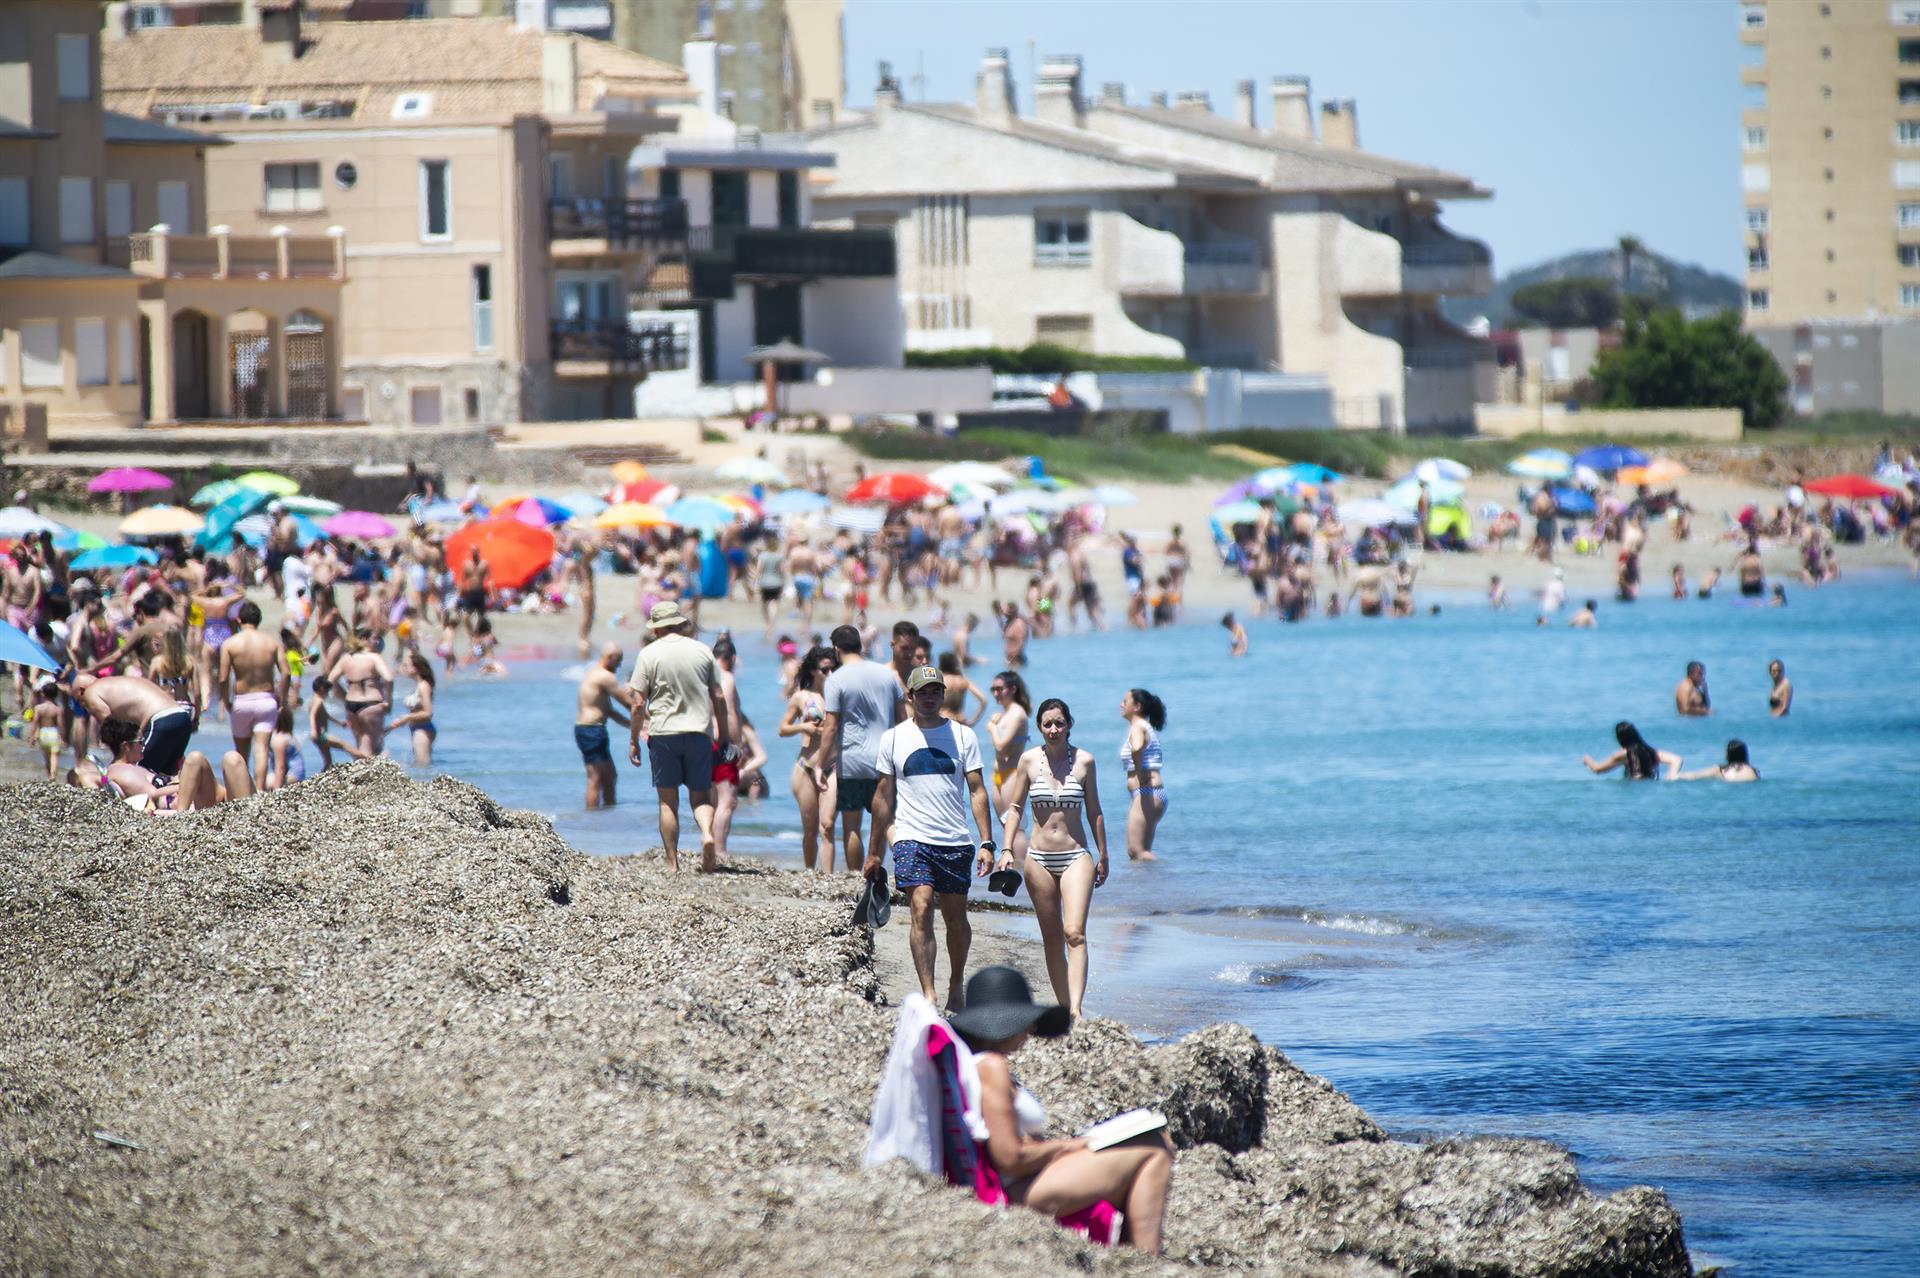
[{"x": 1384, "y": 856}]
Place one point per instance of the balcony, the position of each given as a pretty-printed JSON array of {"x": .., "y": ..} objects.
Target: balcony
[
  {"x": 720, "y": 255},
  {"x": 1447, "y": 265},
  {"x": 587, "y": 225},
  {"x": 1152, "y": 262},
  {"x": 1375, "y": 264},
  {"x": 160, "y": 254},
  {"x": 610, "y": 348}
]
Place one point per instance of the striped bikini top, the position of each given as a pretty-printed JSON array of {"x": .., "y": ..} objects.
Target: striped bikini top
[
  {"x": 1150, "y": 755},
  {"x": 1051, "y": 796}
]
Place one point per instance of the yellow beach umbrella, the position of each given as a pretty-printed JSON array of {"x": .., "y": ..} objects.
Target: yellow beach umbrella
[
  {"x": 161, "y": 521},
  {"x": 631, "y": 514},
  {"x": 628, "y": 472}
]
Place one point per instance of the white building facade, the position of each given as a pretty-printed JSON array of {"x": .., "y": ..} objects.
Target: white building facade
[{"x": 1157, "y": 230}]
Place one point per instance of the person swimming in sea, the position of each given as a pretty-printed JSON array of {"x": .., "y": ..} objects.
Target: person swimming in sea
[
  {"x": 1735, "y": 770},
  {"x": 1583, "y": 619},
  {"x": 1641, "y": 761},
  {"x": 1780, "y": 696},
  {"x": 1236, "y": 636}
]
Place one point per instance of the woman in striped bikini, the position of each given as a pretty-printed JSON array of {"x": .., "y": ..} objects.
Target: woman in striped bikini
[{"x": 1056, "y": 779}]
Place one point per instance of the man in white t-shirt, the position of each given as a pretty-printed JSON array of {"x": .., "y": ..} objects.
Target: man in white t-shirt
[{"x": 929, "y": 778}]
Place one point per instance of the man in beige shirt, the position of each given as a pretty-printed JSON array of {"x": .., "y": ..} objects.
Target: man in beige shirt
[{"x": 677, "y": 700}]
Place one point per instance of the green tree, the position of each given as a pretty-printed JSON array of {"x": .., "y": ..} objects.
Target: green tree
[
  {"x": 1666, "y": 361},
  {"x": 1581, "y": 302},
  {"x": 1630, "y": 248}
]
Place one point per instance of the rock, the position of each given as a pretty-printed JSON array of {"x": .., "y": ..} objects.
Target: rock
[{"x": 369, "y": 1025}]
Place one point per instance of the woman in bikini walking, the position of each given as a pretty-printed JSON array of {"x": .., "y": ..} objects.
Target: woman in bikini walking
[
  {"x": 1056, "y": 779},
  {"x": 1146, "y": 715},
  {"x": 805, "y": 717}
]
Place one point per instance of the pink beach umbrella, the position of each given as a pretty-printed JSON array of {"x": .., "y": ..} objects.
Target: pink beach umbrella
[
  {"x": 363, "y": 525},
  {"x": 128, "y": 479}
]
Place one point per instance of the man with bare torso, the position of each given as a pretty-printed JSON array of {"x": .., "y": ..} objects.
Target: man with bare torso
[
  {"x": 1690, "y": 694},
  {"x": 600, "y": 690},
  {"x": 253, "y": 683},
  {"x": 473, "y": 593},
  {"x": 20, "y": 587},
  {"x": 164, "y": 725},
  {"x": 803, "y": 571},
  {"x": 1013, "y": 635}
]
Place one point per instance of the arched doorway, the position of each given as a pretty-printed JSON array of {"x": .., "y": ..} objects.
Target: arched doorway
[
  {"x": 250, "y": 356},
  {"x": 308, "y": 382},
  {"x": 192, "y": 360}
]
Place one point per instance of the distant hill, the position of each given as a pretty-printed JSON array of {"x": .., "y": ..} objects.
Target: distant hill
[{"x": 1695, "y": 290}]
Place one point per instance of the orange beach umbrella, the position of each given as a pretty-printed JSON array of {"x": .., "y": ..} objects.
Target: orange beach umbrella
[{"x": 513, "y": 552}]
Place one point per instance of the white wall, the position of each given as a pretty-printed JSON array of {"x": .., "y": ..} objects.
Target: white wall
[
  {"x": 733, "y": 336},
  {"x": 696, "y": 188},
  {"x": 857, "y": 321},
  {"x": 763, "y": 198}
]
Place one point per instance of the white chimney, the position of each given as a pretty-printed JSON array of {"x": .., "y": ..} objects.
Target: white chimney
[
  {"x": 1158, "y": 98},
  {"x": 1056, "y": 94},
  {"x": 886, "y": 94},
  {"x": 1340, "y": 125},
  {"x": 559, "y": 74},
  {"x": 530, "y": 15},
  {"x": 1113, "y": 93},
  {"x": 993, "y": 90},
  {"x": 700, "y": 58},
  {"x": 1243, "y": 104},
  {"x": 1292, "y": 108},
  {"x": 1194, "y": 100}
]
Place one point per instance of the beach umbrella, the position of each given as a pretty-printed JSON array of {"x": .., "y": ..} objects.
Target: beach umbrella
[
  {"x": 76, "y": 539},
  {"x": 513, "y": 552},
  {"x": 1608, "y": 458},
  {"x": 631, "y": 514},
  {"x": 751, "y": 470},
  {"x": 440, "y": 512},
  {"x": 363, "y": 525},
  {"x": 973, "y": 474},
  {"x": 128, "y": 479},
  {"x": 1849, "y": 487},
  {"x": 1444, "y": 519},
  {"x": 269, "y": 481},
  {"x": 1573, "y": 501},
  {"x": 795, "y": 501},
  {"x": 1236, "y": 512},
  {"x": 1541, "y": 463},
  {"x": 215, "y": 493},
  {"x": 1025, "y": 500},
  {"x": 112, "y": 557},
  {"x": 742, "y": 503},
  {"x": 18, "y": 647},
  {"x": 1312, "y": 473},
  {"x": 17, "y": 522},
  {"x": 1661, "y": 470},
  {"x": 703, "y": 513},
  {"x": 1110, "y": 495},
  {"x": 583, "y": 504},
  {"x": 161, "y": 521},
  {"x": 300, "y": 504},
  {"x": 1406, "y": 493},
  {"x": 255, "y": 529},
  {"x": 855, "y": 519},
  {"x": 537, "y": 511},
  {"x": 628, "y": 472},
  {"x": 896, "y": 488},
  {"x": 1438, "y": 468},
  {"x": 217, "y": 532},
  {"x": 1235, "y": 492},
  {"x": 1587, "y": 477},
  {"x": 1371, "y": 512},
  {"x": 655, "y": 492}
]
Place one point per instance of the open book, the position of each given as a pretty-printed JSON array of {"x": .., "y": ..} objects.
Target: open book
[{"x": 1123, "y": 1127}]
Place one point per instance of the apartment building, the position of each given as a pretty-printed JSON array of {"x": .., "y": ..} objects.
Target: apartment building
[
  {"x": 118, "y": 303},
  {"x": 1168, "y": 229},
  {"x": 1830, "y": 159},
  {"x": 479, "y": 170}
]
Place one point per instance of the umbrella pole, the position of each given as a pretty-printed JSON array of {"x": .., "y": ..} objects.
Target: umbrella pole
[{"x": 772, "y": 380}]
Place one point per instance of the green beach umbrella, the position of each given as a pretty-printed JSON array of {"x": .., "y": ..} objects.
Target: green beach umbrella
[{"x": 267, "y": 481}]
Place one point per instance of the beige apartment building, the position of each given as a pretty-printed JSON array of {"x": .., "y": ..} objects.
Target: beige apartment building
[
  {"x": 118, "y": 303},
  {"x": 1830, "y": 160},
  {"x": 1156, "y": 229},
  {"x": 479, "y": 170}
]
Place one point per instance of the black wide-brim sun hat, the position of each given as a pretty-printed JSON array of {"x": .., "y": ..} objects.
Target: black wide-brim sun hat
[{"x": 1000, "y": 1005}]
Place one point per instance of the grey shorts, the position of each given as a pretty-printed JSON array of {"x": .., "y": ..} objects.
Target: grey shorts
[{"x": 681, "y": 759}]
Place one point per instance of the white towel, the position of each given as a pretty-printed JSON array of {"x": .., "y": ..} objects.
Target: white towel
[{"x": 906, "y": 1105}]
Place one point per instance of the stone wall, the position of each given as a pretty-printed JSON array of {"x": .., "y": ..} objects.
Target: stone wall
[{"x": 1506, "y": 421}]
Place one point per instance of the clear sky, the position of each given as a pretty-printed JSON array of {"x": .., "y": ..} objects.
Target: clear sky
[{"x": 1589, "y": 119}]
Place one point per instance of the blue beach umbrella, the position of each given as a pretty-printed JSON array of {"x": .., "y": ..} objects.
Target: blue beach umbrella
[
  {"x": 702, "y": 513},
  {"x": 440, "y": 512},
  {"x": 112, "y": 557},
  {"x": 19, "y": 648},
  {"x": 77, "y": 539},
  {"x": 218, "y": 534},
  {"x": 1237, "y": 512},
  {"x": 216, "y": 492},
  {"x": 1607, "y": 458},
  {"x": 795, "y": 501},
  {"x": 1312, "y": 473},
  {"x": 1573, "y": 501},
  {"x": 583, "y": 505}
]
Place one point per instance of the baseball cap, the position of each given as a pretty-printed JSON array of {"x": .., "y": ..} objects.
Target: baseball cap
[{"x": 923, "y": 676}]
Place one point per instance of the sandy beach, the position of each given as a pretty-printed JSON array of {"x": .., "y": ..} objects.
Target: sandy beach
[{"x": 374, "y": 1025}]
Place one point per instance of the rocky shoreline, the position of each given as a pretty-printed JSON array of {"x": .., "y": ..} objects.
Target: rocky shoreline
[{"x": 372, "y": 1025}]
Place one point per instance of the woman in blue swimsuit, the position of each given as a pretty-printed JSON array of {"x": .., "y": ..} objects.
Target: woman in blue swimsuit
[{"x": 1146, "y": 715}]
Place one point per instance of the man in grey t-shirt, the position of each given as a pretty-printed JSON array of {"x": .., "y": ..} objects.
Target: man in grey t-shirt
[{"x": 863, "y": 700}]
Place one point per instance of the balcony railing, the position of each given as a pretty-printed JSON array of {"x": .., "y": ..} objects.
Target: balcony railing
[
  {"x": 1446, "y": 253},
  {"x": 653, "y": 348},
  {"x": 624, "y": 222},
  {"x": 222, "y": 255},
  {"x": 721, "y": 254}
]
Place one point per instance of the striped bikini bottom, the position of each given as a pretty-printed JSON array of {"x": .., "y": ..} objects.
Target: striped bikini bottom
[{"x": 1057, "y": 863}]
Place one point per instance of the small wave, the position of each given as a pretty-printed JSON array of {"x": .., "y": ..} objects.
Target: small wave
[
  {"x": 1263, "y": 977},
  {"x": 1337, "y": 921}
]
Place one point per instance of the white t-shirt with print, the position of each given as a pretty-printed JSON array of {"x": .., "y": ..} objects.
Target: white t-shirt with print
[{"x": 929, "y": 769}]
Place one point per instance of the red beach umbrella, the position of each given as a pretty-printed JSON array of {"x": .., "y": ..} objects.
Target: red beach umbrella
[
  {"x": 513, "y": 552},
  {"x": 656, "y": 492},
  {"x": 1850, "y": 487},
  {"x": 896, "y": 488}
]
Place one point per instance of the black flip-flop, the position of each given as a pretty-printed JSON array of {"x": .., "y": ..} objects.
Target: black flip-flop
[
  {"x": 1005, "y": 882},
  {"x": 876, "y": 902}
]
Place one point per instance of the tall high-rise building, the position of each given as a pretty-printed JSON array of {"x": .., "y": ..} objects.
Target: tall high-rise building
[
  {"x": 1830, "y": 160},
  {"x": 780, "y": 62}
]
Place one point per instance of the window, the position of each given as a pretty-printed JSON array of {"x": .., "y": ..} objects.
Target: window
[
  {"x": 1910, "y": 297},
  {"x": 1075, "y": 332},
  {"x": 1905, "y": 14},
  {"x": 1758, "y": 299},
  {"x": 90, "y": 352},
  {"x": 16, "y": 212},
  {"x": 669, "y": 184},
  {"x": 148, "y": 16},
  {"x": 789, "y": 200},
  {"x": 1060, "y": 238},
  {"x": 293, "y": 188},
  {"x": 1909, "y": 254},
  {"x": 1910, "y": 51},
  {"x": 1907, "y": 133},
  {"x": 423, "y": 404},
  {"x": 1757, "y": 219},
  {"x": 483, "y": 308},
  {"x": 613, "y": 177},
  {"x": 172, "y": 203},
  {"x": 1909, "y": 216},
  {"x": 1909, "y": 92},
  {"x": 436, "y": 205},
  {"x": 353, "y": 403},
  {"x": 470, "y": 403},
  {"x": 1757, "y": 258},
  {"x": 345, "y": 174},
  {"x": 76, "y": 210},
  {"x": 129, "y": 352},
  {"x": 560, "y": 177},
  {"x": 75, "y": 56},
  {"x": 1756, "y": 137},
  {"x": 1755, "y": 177},
  {"x": 412, "y": 106},
  {"x": 1753, "y": 16},
  {"x": 1906, "y": 174},
  {"x": 119, "y": 208},
  {"x": 40, "y": 355}
]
